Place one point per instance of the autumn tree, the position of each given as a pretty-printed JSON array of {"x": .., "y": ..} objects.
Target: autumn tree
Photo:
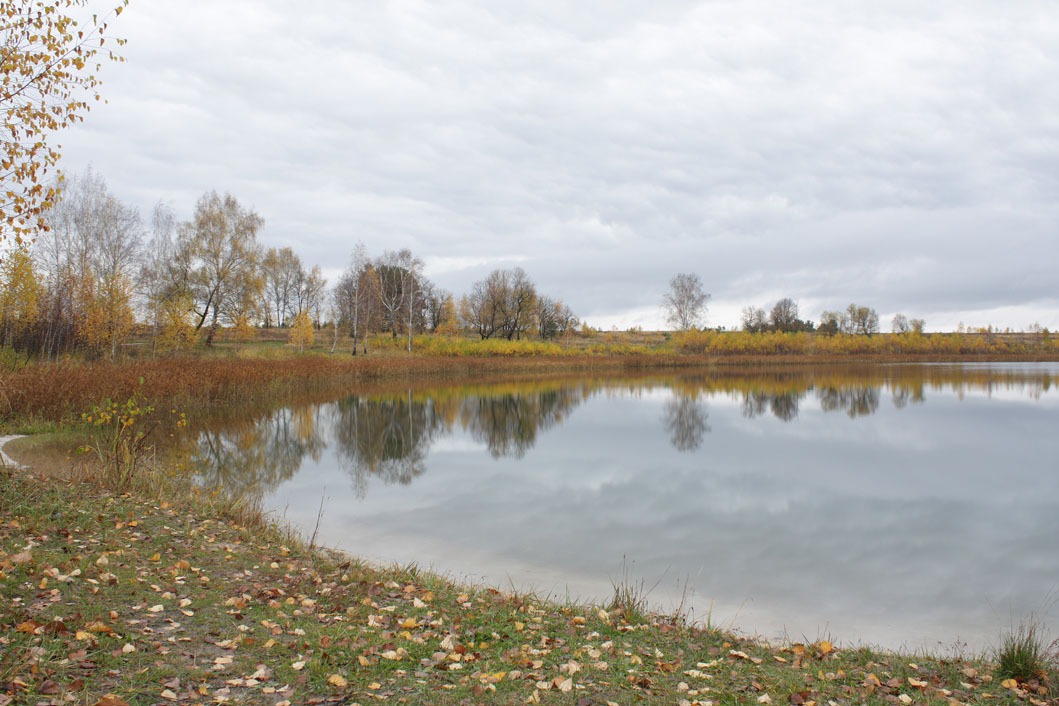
[
  {"x": 393, "y": 269},
  {"x": 482, "y": 309},
  {"x": 860, "y": 320},
  {"x": 301, "y": 331},
  {"x": 308, "y": 293},
  {"x": 830, "y": 323},
  {"x": 917, "y": 326},
  {"x": 219, "y": 258},
  {"x": 281, "y": 270},
  {"x": 20, "y": 292},
  {"x": 50, "y": 71},
  {"x": 899, "y": 324},
  {"x": 357, "y": 292},
  {"x": 685, "y": 302},
  {"x": 504, "y": 303},
  {"x": 553, "y": 318},
  {"x": 89, "y": 259}
]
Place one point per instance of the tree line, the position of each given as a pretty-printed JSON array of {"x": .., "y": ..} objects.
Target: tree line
[
  {"x": 98, "y": 270},
  {"x": 685, "y": 306}
]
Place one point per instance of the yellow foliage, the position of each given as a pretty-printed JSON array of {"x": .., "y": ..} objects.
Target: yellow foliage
[
  {"x": 242, "y": 331},
  {"x": 175, "y": 331},
  {"x": 20, "y": 290},
  {"x": 301, "y": 332},
  {"x": 108, "y": 317},
  {"x": 50, "y": 70}
]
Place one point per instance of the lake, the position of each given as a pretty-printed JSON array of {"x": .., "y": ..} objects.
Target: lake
[{"x": 903, "y": 506}]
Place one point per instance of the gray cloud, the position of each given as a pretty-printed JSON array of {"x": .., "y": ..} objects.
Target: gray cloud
[{"x": 903, "y": 155}]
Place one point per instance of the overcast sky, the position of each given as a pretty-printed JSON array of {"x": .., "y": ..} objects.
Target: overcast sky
[{"x": 900, "y": 154}]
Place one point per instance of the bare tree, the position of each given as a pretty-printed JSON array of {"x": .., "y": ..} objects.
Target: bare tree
[
  {"x": 307, "y": 293},
  {"x": 412, "y": 268},
  {"x": 685, "y": 302},
  {"x": 391, "y": 286},
  {"x": 520, "y": 303},
  {"x": 917, "y": 325},
  {"x": 355, "y": 287},
  {"x": 900, "y": 324},
  {"x": 784, "y": 315},
  {"x": 280, "y": 270},
  {"x": 860, "y": 320},
  {"x": 221, "y": 254},
  {"x": 754, "y": 319}
]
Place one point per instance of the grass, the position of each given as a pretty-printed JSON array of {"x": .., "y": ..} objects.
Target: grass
[
  {"x": 1025, "y": 655},
  {"x": 196, "y": 601}
]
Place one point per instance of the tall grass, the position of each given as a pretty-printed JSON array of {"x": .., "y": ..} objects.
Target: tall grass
[{"x": 1025, "y": 655}]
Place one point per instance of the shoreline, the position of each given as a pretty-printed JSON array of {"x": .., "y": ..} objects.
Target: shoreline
[{"x": 180, "y": 602}]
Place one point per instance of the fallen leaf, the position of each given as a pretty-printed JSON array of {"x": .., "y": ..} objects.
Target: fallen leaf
[
  {"x": 338, "y": 680},
  {"x": 168, "y": 695},
  {"x": 1009, "y": 684},
  {"x": 111, "y": 700},
  {"x": 298, "y": 666}
]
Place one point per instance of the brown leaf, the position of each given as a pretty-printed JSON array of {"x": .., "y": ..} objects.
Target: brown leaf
[{"x": 111, "y": 700}]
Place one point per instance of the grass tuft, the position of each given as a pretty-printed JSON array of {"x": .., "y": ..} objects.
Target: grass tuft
[{"x": 1024, "y": 654}]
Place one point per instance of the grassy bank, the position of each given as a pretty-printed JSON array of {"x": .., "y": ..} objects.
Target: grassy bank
[{"x": 156, "y": 601}]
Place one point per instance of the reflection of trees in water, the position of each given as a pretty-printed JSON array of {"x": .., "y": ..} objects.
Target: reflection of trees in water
[
  {"x": 385, "y": 438},
  {"x": 508, "y": 424},
  {"x": 685, "y": 418},
  {"x": 783, "y": 405},
  {"x": 255, "y": 456},
  {"x": 854, "y": 400},
  {"x": 902, "y": 394}
]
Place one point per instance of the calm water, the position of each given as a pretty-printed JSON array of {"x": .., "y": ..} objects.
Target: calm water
[{"x": 903, "y": 506}]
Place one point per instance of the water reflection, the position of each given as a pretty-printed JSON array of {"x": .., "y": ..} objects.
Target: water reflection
[
  {"x": 255, "y": 456},
  {"x": 861, "y": 501},
  {"x": 509, "y": 423},
  {"x": 685, "y": 420},
  {"x": 385, "y": 438}
]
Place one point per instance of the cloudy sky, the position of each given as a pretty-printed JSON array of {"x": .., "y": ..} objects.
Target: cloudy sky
[{"x": 900, "y": 154}]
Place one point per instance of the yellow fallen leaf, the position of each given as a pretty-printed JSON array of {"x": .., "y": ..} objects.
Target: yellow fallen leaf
[
  {"x": 337, "y": 680},
  {"x": 168, "y": 695},
  {"x": 764, "y": 699},
  {"x": 374, "y": 685},
  {"x": 298, "y": 666},
  {"x": 408, "y": 623},
  {"x": 155, "y": 557},
  {"x": 128, "y": 648},
  {"x": 156, "y": 608},
  {"x": 1009, "y": 684},
  {"x": 564, "y": 685},
  {"x": 825, "y": 647},
  {"x": 905, "y": 699}
]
